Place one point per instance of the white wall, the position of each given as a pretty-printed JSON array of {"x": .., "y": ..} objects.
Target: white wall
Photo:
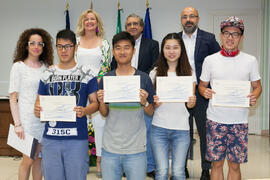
[{"x": 17, "y": 15}]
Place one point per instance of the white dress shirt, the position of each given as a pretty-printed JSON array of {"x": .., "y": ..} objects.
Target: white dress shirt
[
  {"x": 190, "y": 43},
  {"x": 135, "y": 58}
]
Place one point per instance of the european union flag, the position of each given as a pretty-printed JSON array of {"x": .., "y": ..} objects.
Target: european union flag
[{"x": 147, "y": 31}]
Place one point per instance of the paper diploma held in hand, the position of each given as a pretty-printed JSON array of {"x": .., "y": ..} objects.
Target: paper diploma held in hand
[
  {"x": 58, "y": 108},
  {"x": 121, "y": 88},
  {"x": 174, "y": 88},
  {"x": 230, "y": 93},
  {"x": 27, "y": 146}
]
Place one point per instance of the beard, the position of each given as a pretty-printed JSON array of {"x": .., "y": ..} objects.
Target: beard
[{"x": 191, "y": 29}]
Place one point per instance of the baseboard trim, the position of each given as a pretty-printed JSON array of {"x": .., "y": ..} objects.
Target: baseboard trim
[{"x": 265, "y": 133}]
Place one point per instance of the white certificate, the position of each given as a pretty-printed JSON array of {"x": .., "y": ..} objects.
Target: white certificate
[
  {"x": 174, "y": 88},
  {"x": 121, "y": 88},
  {"x": 27, "y": 146},
  {"x": 58, "y": 108},
  {"x": 230, "y": 93}
]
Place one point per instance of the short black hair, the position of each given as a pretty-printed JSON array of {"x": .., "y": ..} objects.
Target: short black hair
[
  {"x": 123, "y": 36},
  {"x": 67, "y": 35}
]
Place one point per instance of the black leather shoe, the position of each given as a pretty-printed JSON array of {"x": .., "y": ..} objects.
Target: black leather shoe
[
  {"x": 205, "y": 175},
  {"x": 186, "y": 173},
  {"x": 151, "y": 174}
]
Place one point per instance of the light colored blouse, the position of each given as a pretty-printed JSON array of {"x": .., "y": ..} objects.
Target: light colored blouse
[{"x": 98, "y": 58}]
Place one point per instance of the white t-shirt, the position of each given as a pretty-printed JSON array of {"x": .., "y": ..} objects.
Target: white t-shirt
[
  {"x": 242, "y": 67},
  {"x": 171, "y": 115}
]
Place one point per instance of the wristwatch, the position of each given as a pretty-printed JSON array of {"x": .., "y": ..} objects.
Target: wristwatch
[{"x": 146, "y": 104}]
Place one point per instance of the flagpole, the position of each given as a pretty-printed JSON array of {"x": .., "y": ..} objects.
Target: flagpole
[
  {"x": 147, "y": 4},
  {"x": 119, "y": 26},
  {"x": 67, "y": 16},
  {"x": 91, "y": 5},
  {"x": 67, "y": 6},
  {"x": 147, "y": 30}
]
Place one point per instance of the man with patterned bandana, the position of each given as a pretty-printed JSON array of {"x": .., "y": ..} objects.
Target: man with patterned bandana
[{"x": 227, "y": 127}]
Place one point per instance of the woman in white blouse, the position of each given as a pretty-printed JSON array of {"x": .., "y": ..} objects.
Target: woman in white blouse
[{"x": 33, "y": 54}]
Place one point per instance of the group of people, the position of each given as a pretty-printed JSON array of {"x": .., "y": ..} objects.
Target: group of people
[{"x": 131, "y": 138}]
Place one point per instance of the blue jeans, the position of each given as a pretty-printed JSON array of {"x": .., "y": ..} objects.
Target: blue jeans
[
  {"x": 151, "y": 165},
  {"x": 179, "y": 140},
  {"x": 64, "y": 159},
  {"x": 112, "y": 165}
]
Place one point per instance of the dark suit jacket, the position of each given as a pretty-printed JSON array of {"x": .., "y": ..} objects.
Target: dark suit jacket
[
  {"x": 206, "y": 45},
  {"x": 148, "y": 54}
]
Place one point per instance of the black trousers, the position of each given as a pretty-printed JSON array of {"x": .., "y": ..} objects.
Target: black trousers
[{"x": 199, "y": 114}]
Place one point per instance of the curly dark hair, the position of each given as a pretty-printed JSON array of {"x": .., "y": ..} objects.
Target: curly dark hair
[
  {"x": 183, "y": 67},
  {"x": 21, "y": 52}
]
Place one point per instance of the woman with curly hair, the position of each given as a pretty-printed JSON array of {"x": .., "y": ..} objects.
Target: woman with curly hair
[
  {"x": 94, "y": 50},
  {"x": 33, "y": 54}
]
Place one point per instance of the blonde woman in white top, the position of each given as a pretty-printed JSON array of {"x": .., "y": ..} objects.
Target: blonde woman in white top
[{"x": 94, "y": 50}]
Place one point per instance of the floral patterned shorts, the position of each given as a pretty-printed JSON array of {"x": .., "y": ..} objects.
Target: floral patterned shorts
[{"x": 226, "y": 139}]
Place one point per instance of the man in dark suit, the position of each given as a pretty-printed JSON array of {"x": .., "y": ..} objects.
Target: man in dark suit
[
  {"x": 199, "y": 44},
  {"x": 147, "y": 49},
  {"x": 145, "y": 56}
]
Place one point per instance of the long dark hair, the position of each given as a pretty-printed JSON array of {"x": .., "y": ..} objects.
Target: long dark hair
[
  {"x": 183, "y": 67},
  {"x": 21, "y": 51}
]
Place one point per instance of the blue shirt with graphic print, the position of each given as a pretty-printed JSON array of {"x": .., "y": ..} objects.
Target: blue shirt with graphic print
[{"x": 78, "y": 81}]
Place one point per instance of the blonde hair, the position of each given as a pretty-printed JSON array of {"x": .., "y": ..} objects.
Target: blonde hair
[{"x": 80, "y": 26}]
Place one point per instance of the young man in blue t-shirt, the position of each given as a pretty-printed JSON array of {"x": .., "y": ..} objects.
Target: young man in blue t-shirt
[
  {"x": 65, "y": 144},
  {"x": 124, "y": 138}
]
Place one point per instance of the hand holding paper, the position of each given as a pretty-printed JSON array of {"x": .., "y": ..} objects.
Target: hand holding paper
[
  {"x": 191, "y": 101},
  {"x": 19, "y": 131},
  {"x": 143, "y": 96},
  {"x": 252, "y": 99},
  {"x": 100, "y": 96},
  {"x": 80, "y": 111},
  {"x": 27, "y": 146},
  {"x": 156, "y": 101},
  {"x": 208, "y": 93}
]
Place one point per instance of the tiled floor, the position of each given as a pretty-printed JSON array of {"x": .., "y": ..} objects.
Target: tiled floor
[{"x": 258, "y": 166}]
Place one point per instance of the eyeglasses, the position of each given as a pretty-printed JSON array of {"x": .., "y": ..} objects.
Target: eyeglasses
[
  {"x": 132, "y": 23},
  {"x": 192, "y": 16},
  {"x": 66, "y": 46},
  {"x": 34, "y": 43},
  {"x": 227, "y": 34}
]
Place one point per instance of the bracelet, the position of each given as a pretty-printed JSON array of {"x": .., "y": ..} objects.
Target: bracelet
[{"x": 17, "y": 125}]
